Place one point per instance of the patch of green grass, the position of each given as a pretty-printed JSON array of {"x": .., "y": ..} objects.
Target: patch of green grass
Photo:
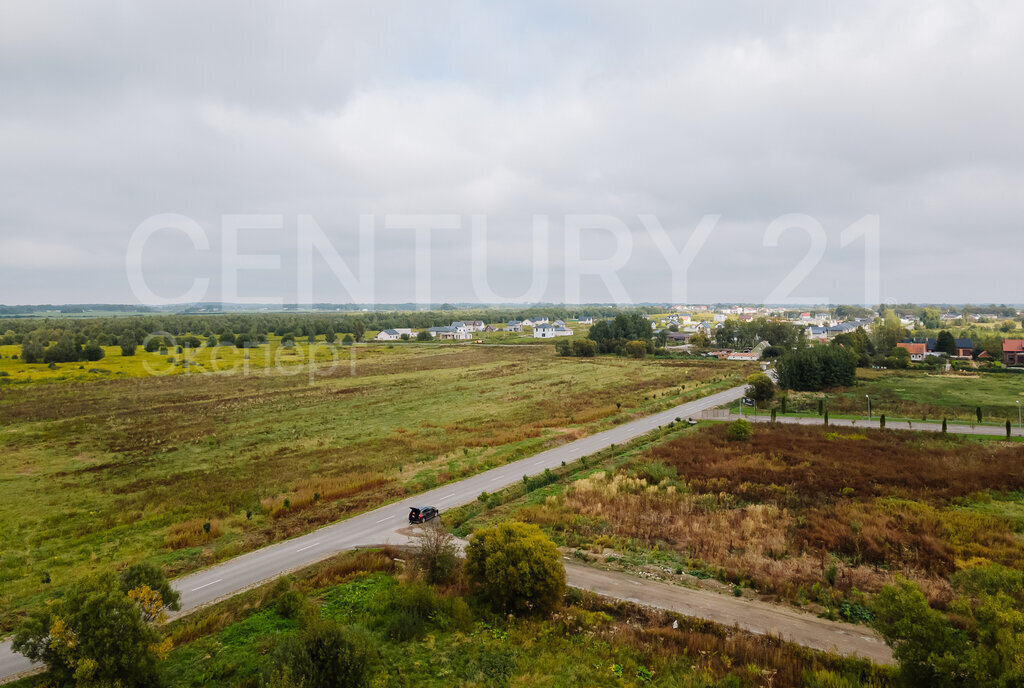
[{"x": 921, "y": 395}]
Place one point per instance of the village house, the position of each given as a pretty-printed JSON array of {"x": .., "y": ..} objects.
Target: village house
[
  {"x": 1013, "y": 352},
  {"x": 548, "y": 331},
  {"x": 448, "y": 332},
  {"x": 514, "y": 326},
  {"x": 917, "y": 350},
  {"x": 388, "y": 336}
]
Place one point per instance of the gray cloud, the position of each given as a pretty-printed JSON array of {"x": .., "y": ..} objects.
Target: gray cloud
[{"x": 111, "y": 113}]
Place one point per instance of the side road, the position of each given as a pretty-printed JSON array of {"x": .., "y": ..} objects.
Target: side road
[
  {"x": 987, "y": 430},
  {"x": 378, "y": 526},
  {"x": 750, "y": 615}
]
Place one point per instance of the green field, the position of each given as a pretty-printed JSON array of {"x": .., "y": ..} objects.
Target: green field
[
  {"x": 99, "y": 474},
  {"x": 921, "y": 395}
]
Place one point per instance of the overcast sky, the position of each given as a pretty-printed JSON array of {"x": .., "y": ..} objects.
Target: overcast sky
[{"x": 113, "y": 112}]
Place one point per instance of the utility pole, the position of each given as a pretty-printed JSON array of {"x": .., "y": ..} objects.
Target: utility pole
[{"x": 868, "y": 397}]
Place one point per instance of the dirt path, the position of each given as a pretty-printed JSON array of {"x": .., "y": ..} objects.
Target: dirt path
[{"x": 750, "y": 615}]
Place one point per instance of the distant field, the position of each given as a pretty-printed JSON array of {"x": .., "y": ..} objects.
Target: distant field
[
  {"x": 131, "y": 469},
  {"x": 918, "y": 395},
  {"x": 191, "y": 362}
]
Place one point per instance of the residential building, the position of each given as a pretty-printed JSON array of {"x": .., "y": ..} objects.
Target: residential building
[
  {"x": 388, "y": 336},
  {"x": 514, "y": 326},
  {"x": 448, "y": 332},
  {"x": 918, "y": 350},
  {"x": 1013, "y": 352},
  {"x": 548, "y": 331}
]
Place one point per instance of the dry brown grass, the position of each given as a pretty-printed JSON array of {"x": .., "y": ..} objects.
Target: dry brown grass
[
  {"x": 786, "y": 507},
  {"x": 191, "y": 533}
]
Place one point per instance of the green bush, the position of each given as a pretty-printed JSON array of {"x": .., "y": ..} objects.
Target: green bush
[
  {"x": 326, "y": 655},
  {"x": 739, "y": 431},
  {"x": 517, "y": 568}
]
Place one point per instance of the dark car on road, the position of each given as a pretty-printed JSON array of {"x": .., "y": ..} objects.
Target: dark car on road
[{"x": 421, "y": 514}]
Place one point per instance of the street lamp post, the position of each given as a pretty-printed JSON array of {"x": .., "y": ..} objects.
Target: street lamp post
[{"x": 868, "y": 397}]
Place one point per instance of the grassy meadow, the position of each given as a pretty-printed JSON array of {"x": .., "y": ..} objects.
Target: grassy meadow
[
  {"x": 184, "y": 470},
  {"x": 803, "y": 514}
]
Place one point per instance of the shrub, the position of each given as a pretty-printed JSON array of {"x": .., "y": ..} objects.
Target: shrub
[
  {"x": 739, "y": 431},
  {"x": 436, "y": 554},
  {"x": 325, "y": 655},
  {"x": 517, "y": 568},
  {"x": 290, "y": 604}
]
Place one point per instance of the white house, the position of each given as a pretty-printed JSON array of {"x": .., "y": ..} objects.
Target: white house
[
  {"x": 514, "y": 326},
  {"x": 388, "y": 335},
  {"x": 550, "y": 331},
  {"x": 448, "y": 332},
  {"x": 586, "y": 321},
  {"x": 475, "y": 325}
]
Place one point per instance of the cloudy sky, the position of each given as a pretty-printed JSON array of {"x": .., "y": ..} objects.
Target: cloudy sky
[{"x": 850, "y": 151}]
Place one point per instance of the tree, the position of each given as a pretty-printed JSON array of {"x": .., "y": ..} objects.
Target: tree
[
  {"x": 900, "y": 358},
  {"x": 347, "y": 340},
  {"x": 634, "y": 349},
  {"x": 701, "y": 340},
  {"x": 946, "y": 343},
  {"x": 977, "y": 412},
  {"x": 358, "y": 329},
  {"x": 563, "y": 347},
  {"x": 927, "y": 647},
  {"x": 760, "y": 388},
  {"x": 127, "y": 343},
  {"x": 436, "y": 553},
  {"x": 148, "y": 575},
  {"x": 517, "y": 568},
  {"x": 64, "y": 350},
  {"x": 329, "y": 335},
  {"x": 97, "y": 635},
  {"x": 93, "y": 352},
  {"x": 325, "y": 655},
  {"x": 33, "y": 349},
  {"x": 423, "y": 336},
  {"x": 584, "y": 348}
]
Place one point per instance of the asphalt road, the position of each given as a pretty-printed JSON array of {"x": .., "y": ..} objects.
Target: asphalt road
[{"x": 379, "y": 526}]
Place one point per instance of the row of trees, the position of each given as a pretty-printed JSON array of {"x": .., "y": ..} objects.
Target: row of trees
[
  {"x": 64, "y": 350},
  {"x": 817, "y": 367},
  {"x": 300, "y": 324}
]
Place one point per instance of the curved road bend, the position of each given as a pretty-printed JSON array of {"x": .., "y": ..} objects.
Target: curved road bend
[{"x": 377, "y": 526}]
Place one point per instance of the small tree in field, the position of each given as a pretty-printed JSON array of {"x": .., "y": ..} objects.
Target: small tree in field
[
  {"x": 436, "y": 554},
  {"x": 635, "y": 349},
  {"x": 739, "y": 431},
  {"x": 517, "y": 568},
  {"x": 423, "y": 336}
]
